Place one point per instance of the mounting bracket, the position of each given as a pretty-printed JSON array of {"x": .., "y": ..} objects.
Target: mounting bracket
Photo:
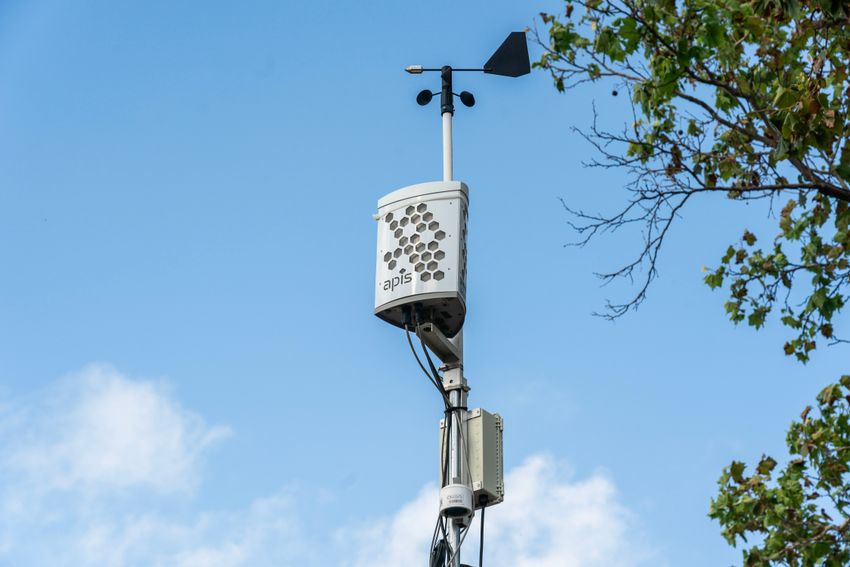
[{"x": 445, "y": 349}]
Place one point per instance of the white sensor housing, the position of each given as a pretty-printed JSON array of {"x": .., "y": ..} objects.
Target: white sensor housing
[
  {"x": 456, "y": 500},
  {"x": 421, "y": 260}
]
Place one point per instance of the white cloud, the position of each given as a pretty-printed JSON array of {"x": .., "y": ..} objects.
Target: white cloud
[
  {"x": 99, "y": 429},
  {"x": 82, "y": 463},
  {"x": 547, "y": 520},
  {"x": 266, "y": 533},
  {"x": 102, "y": 469},
  {"x": 402, "y": 539}
]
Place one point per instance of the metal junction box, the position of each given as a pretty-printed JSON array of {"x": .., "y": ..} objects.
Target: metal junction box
[
  {"x": 421, "y": 255},
  {"x": 486, "y": 458}
]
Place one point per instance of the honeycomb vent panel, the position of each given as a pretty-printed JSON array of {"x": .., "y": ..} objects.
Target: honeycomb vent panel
[{"x": 417, "y": 238}]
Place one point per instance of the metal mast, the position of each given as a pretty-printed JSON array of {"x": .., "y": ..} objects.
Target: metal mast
[
  {"x": 454, "y": 381},
  {"x": 510, "y": 59}
]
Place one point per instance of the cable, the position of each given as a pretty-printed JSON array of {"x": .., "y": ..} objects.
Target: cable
[
  {"x": 442, "y": 389},
  {"x": 428, "y": 356},
  {"x": 431, "y": 378},
  {"x": 481, "y": 544},
  {"x": 447, "y": 427},
  {"x": 436, "y": 530},
  {"x": 459, "y": 544},
  {"x": 435, "y": 374},
  {"x": 438, "y": 547},
  {"x": 438, "y": 555},
  {"x": 464, "y": 447},
  {"x": 416, "y": 356},
  {"x": 437, "y": 380},
  {"x": 447, "y": 450},
  {"x": 445, "y": 540}
]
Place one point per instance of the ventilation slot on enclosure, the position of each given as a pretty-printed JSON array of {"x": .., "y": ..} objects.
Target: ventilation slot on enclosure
[
  {"x": 417, "y": 238},
  {"x": 462, "y": 274}
]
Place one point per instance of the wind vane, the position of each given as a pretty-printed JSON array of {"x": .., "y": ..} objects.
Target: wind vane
[{"x": 510, "y": 60}]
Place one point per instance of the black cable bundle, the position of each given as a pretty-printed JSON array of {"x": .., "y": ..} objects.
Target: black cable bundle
[
  {"x": 439, "y": 545},
  {"x": 438, "y": 553},
  {"x": 481, "y": 545}
]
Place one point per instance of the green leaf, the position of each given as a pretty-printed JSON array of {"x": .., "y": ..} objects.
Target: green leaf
[
  {"x": 766, "y": 465},
  {"x": 781, "y": 151},
  {"x": 736, "y": 470}
]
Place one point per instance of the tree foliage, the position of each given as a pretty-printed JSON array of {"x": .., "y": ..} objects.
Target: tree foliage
[
  {"x": 798, "y": 515},
  {"x": 747, "y": 99}
]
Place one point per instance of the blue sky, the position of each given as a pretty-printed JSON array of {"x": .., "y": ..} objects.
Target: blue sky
[{"x": 190, "y": 371}]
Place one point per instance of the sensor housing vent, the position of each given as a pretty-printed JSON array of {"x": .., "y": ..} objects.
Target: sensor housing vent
[{"x": 421, "y": 259}]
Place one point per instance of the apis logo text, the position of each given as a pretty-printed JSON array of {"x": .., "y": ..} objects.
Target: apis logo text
[{"x": 394, "y": 282}]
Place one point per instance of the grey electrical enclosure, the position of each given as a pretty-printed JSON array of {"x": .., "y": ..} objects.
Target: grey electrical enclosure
[{"x": 486, "y": 459}]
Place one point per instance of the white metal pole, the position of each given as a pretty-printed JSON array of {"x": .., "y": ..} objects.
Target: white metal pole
[
  {"x": 454, "y": 377},
  {"x": 454, "y": 473},
  {"x": 455, "y": 383},
  {"x": 447, "y": 146}
]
